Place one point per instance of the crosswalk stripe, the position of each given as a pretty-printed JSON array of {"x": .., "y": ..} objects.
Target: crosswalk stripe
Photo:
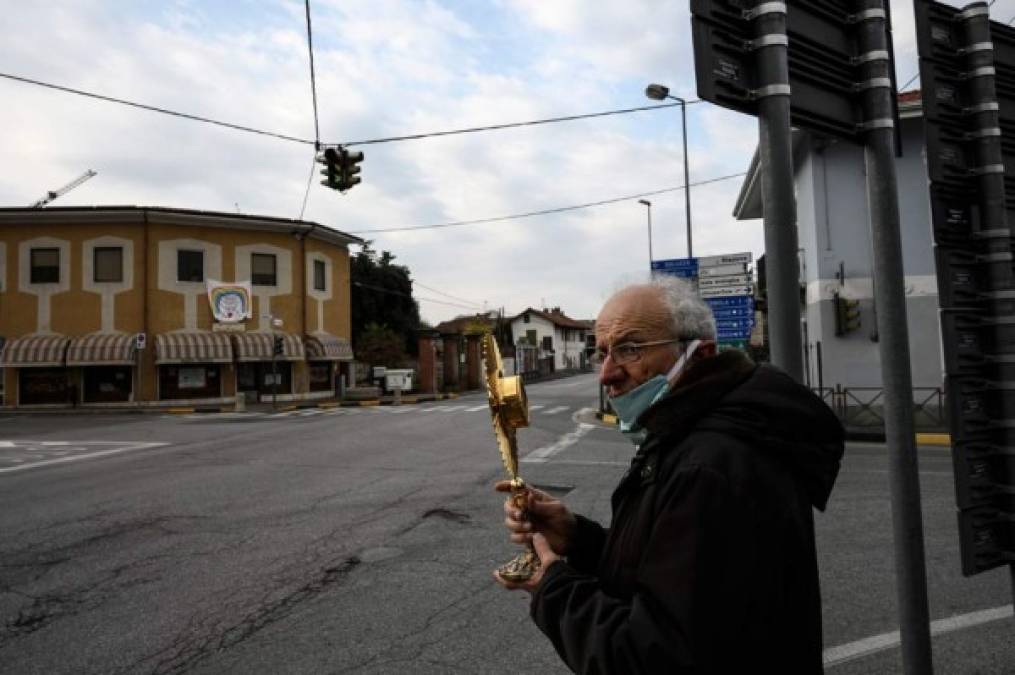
[
  {"x": 478, "y": 407},
  {"x": 536, "y": 407},
  {"x": 554, "y": 411}
]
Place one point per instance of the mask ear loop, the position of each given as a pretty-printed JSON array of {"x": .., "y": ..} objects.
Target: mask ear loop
[{"x": 675, "y": 371}]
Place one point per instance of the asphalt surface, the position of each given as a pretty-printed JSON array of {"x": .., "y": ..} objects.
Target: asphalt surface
[{"x": 362, "y": 540}]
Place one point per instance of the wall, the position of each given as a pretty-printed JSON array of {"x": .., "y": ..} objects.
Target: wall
[{"x": 834, "y": 228}]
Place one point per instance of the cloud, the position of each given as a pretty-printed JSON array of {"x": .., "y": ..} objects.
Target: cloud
[{"x": 390, "y": 68}]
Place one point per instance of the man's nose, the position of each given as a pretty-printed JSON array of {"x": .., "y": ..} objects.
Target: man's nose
[{"x": 610, "y": 372}]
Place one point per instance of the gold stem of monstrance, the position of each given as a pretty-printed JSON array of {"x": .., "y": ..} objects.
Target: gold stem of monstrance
[{"x": 510, "y": 411}]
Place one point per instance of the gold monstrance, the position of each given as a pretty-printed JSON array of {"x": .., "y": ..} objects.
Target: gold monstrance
[{"x": 510, "y": 411}]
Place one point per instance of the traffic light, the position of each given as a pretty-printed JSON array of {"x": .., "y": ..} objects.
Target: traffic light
[
  {"x": 277, "y": 346},
  {"x": 349, "y": 168},
  {"x": 340, "y": 168},
  {"x": 847, "y": 315},
  {"x": 330, "y": 160}
]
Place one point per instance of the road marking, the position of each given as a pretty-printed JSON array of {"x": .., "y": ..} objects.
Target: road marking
[
  {"x": 451, "y": 408},
  {"x": 840, "y": 654},
  {"x": 590, "y": 462},
  {"x": 122, "y": 447},
  {"x": 536, "y": 407},
  {"x": 485, "y": 406},
  {"x": 555, "y": 410},
  {"x": 541, "y": 455}
]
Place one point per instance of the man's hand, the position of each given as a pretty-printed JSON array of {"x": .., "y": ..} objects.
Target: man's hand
[
  {"x": 544, "y": 515},
  {"x": 546, "y": 557}
]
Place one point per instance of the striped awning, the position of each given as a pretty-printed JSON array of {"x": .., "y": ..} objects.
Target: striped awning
[
  {"x": 34, "y": 351},
  {"x": 193, "y": 347},
  {"x": 325, "y": 347},
  {"x": 259, "y": 346},
  {"x": 101, "y": 349}
]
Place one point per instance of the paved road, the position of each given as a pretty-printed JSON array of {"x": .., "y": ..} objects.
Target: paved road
[{"x": 361, "y": 540}]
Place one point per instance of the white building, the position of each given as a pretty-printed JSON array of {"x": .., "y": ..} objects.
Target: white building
[{"x": 552, "y": 334}]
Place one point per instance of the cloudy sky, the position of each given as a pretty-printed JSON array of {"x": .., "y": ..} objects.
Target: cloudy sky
[{"x": 391, "y": 68}]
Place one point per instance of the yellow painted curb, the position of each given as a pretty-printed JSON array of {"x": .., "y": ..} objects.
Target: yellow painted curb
[
  {"x": 180, "y": 411},
  {"x": 409, "y": 399},
  {"x": 287, "y": 408},
  {"x": 933, "y": 439},
  {"x": 369, "y": 403},
  {"x": 451, "y": 395},
  {"x": 610, "y": 419},
  {"x": 328, "y": 405}
]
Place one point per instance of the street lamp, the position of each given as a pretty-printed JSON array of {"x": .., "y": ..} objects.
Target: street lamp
[
  {"x": 648, "y": 210},
  {"x": 658, "y": 92}
]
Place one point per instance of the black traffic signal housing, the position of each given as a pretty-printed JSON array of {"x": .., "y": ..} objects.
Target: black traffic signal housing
[
  {"x": 330, "y": 160},
  {"x": 340, "y": 168},
  {"x": 847, "y": 315},
  {"x": 277, "y": 346},
  {"x": 348, "y": 168}
]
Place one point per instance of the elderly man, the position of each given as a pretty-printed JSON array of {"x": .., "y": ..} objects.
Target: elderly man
[{"x": 709, "y": 565}]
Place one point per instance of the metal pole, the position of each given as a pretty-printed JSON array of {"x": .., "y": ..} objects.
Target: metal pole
[
  {"x": 274, "y": 374},
  {"x": 776, "y": 150},
  {"x": 890, "y": 296},
  {"x": 687, "y": 177},
  {"x": 650, "y": 235}
]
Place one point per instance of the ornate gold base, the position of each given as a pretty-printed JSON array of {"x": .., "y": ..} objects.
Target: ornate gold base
[{"x": 521, "y": 568}]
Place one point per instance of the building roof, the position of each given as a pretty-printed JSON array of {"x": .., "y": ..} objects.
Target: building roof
[
  {"x": 461, "y": 324},
  {"x": 159, "y": 214},
  {"x": 749, "y": 206},
  {"x": 556, "y": 317}
]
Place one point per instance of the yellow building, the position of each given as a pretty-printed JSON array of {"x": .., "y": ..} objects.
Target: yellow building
[{"x": 111, "y": 306}]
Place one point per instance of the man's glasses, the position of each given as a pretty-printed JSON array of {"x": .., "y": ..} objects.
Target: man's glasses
[{"x": 626, "y": 352}]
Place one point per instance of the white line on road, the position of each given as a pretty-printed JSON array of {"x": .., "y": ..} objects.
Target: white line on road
[
  {"x": 485, "y": 406},
  {"x": 556, "y": 409},
  {"x": 450, "y": 408},
  {"x": 123, "y": 447},
  {"x": 536, "y": 407},
  {"x": 540, "y": 455},
  {"x": 835, "y": 656}
]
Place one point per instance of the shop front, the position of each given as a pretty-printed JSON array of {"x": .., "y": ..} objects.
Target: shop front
[
  {"x": 190, "y": 364},
  {"x": 325, "y": 355},
  {"x": 260, "y": 372},
  {"x": 106, "y": 361},
  {"x": 43, "y": 378}
]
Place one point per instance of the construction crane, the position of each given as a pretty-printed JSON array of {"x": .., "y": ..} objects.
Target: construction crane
[{"x": 53, "y": 194}]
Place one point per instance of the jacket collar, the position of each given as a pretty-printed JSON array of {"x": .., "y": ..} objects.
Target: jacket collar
[{"x": 703, "y": 385}]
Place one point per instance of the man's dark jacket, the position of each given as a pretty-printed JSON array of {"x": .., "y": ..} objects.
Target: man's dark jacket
[{"x": 709, "y": 566}]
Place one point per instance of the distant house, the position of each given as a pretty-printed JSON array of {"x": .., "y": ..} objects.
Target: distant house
[{"x": 553, "y": 337}]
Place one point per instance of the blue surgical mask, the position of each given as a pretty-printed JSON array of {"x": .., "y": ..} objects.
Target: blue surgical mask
[{"x": 631, "y": 405}]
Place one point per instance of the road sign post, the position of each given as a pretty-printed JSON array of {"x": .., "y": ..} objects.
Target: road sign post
[{"x": 890, "y": 296}]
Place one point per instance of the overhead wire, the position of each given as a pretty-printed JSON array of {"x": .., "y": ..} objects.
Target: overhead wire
[
  {"x": 316, "y": 142},
  {"x": 317, "y": 127},
  {"x": 152, "y": 108},
  {"x": 406, "y": 295},
  {"x": 543, "y": 212},
  {"x": 453, "y": 297}
]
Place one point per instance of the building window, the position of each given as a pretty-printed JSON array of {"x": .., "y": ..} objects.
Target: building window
[
  {"x": 45, "y": 266},
  {"x": 262, "y": 269},
  {"x": 320, "y": 276},
  {"x": 108, "y": 264},
  {"x": 530, "y": 337},
  {"x": 190, "y": 265},
  {"x": 548, "y": 343},
  {"x": 525, "y": 318}
]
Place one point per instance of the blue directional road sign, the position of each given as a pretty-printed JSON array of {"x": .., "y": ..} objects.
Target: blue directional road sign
[
  {"x": 733, "y": 301},
  {"x": 679, "y": 267}
]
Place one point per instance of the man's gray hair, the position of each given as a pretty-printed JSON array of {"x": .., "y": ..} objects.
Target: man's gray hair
[{"x": 690, "y": 317}]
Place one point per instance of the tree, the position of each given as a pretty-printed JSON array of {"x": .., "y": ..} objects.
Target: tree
[
  {"x": 380, "y": 346},
  {"x": 382, "y": 295}
]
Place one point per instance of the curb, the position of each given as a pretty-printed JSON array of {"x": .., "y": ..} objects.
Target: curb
[
  {"x": 607, "y": 418},
  {"x": 944, "y": 440}
]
